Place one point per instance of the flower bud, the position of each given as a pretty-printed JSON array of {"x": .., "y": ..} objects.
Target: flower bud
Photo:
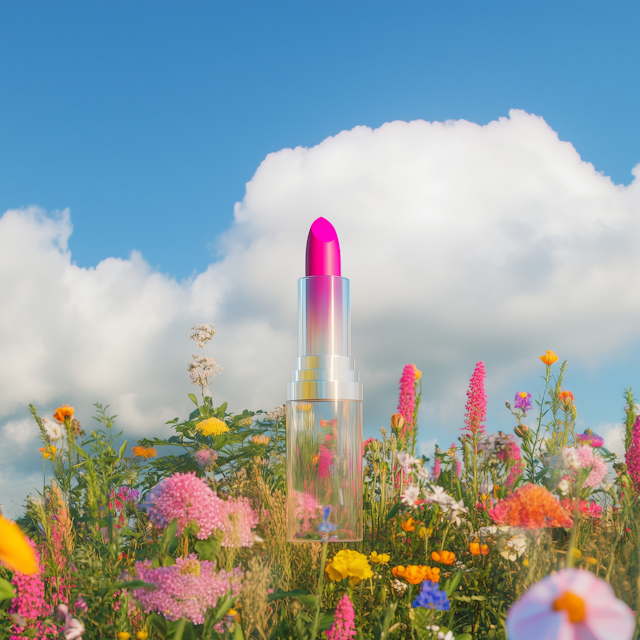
[
  {"x": 397, "y": 421},
  {"x": 521, "y": 430},
  {"x": 507, "y": 404}
]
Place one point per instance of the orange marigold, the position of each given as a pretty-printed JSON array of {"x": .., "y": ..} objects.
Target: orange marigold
[
  {"x": 408, "y": 525},
  {"x": 531, "y": 507},
  {"x": 476, "y": 549},
  {"x": 444, "y": 557},
  {"x": 416, "y": 573},
  {"x": 549, "y": 358},
  {"x": 142, "y": 452},
  {"x": 63, "y": 412},
  {"x": 565, "y": 396}
]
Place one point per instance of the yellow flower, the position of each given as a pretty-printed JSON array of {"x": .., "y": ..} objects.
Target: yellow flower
[
  {"x": 418, "y": 372},
  {"x": 142, "y": 452},
  {"x": 549, "y": 358},
  {"x": 63, "y": 412},
  {"x": 15, "y": 550},
  {"x": 48, "y": 452},
  {"x": 592, "y": 560},
  {"x": 379, "y": 558},
  {"x": 477, "y": 549},
  {"x": 423, "y": 531},
  {"x": 123, "y": 635},
  {"x": 577, "y": 553},
  {"x": 142, "y": 635},
  {"x": 349, "y": 564},
  {"x": 262, "y": 439},
  {"x": 212, "y": 427}
]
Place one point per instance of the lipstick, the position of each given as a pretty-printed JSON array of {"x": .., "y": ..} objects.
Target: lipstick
[{"x": 324, "y": 404}]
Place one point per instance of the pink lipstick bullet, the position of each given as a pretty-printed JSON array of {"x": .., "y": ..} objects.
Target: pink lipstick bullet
[{"x": 324, "y": 404}]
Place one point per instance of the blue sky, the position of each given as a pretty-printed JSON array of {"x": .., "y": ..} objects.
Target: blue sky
[{"x": 146, "y": 119}]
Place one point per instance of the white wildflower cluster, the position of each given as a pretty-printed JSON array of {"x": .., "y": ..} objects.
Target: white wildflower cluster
[
  {"x": 441, "y": 635},
  {"x": 201, "y": 369},
  {"x": 398, "y": 587},
  {"x": 202, "y": 333},
  {"x": 513, "y": 539},
  {"x": 458, "y": 564},
  {"x": 277, "y": 414},
  {"x": 452, "y": 509},
  {"x": 54, "y": 429}
]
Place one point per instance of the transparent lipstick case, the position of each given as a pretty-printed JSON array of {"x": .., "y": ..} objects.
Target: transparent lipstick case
[{"x": 324, "y": 418}]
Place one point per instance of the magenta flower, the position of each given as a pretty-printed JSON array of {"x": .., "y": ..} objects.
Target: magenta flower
[
  {"x": 324, "y": 462},
  {"x": 632, "y": 456},
  {"x": 585, "y": 458},
  {"x": 570, "y": 605},
  {"x": 343, "y": 627},
  {"x": 476, "y": 404},
  {"x": 407, "y": 399},
  {"x": 523, "y": 401},
  {"x": 590, "y": 438}
]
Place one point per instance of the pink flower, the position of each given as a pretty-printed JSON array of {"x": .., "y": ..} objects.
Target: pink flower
[
  {"x": 584, "y": 458},
  {"x": 366, "y": 443},
  {"x": 514, "y": 473},
  {"x": 343, "y": 627},
  {"x": 407, "y": 399},
  {"x": 591, "y": 509},
  {"x": 477, "y": 403},
  {"x": 570, "y": 605},
  {"x": 324, "y": 462},
  {"x": 632, "y": 456},
  {"x": 436, "y": 469},
  {"x": 186, "y": 589}
]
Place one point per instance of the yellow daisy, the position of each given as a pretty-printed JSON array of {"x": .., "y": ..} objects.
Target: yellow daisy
[
  {"x": 15, "y": 551},
  {"x": 212, "y": 427}
]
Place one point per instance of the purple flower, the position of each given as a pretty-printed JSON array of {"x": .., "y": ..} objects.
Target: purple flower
[
  {"x": 431, "y": 597},
  {"x": 590, "y": 438},
  {"x": 326, "y": 526},
  {"x": 523, "y": 401}
]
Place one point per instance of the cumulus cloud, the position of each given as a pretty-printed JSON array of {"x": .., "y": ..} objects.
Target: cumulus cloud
[{"x": 462, "y": 243}]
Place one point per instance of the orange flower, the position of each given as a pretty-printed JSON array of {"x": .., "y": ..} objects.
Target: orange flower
[
  {"x": 397, "y": 421},
  {"x": 409, "y": 525},
  {"x": 565, "y": 396},
  {"x": 141, "y": 452},
  {"x": 531, "y": 507},
  {"x": 549, "y": 358},
  {"x": 416, "y": 573},
  {"x": 48, "y": 452},
  {"x": 65, "y": 411},
  {"x": 444, "y": 557},
  {"x": 477, "y": 549}
]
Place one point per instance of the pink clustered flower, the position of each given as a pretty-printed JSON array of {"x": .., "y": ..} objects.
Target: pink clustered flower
[
  {"x": 583, "y": 458},
  {"x": 343, "y": 627},
  {"x": 591, "y": 508},
  {"x": 186, "y": 589},
  {"x": 407, "y": 399},
  {"x": 632, "y": 456},
  {"x": 186, "y": 497},
  {"x": 325, "y": 460},
  {"x": 514, "y": 473},
  {"x": 29, "y": 602},
  {"x": 307, "y": 510},
  {"x": 205, "y": 457},
  {"x": 436, "y": 469},
  {"x": 366, "y": 443},
  {"x": 572, "y": 603},
  {"x": 477, "y": 403}
]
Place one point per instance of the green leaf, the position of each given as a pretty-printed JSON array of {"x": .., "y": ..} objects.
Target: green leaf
[
  {"x": 310, "y": 601},
  {"x": 393, "y": 512},
  {"x": 452, "y": 583},
  {"x": 208, "y": 549},
  {"x": 6, "y": 590},
  {"x": 181, "y": 630},
  {"x": 158, "y": 623},
  {"x": 326, "y": 620},
  {"x": 192, "y": 397},
  {"x": 464, "y": 636},
  {"x": 168, "y": 535},
  {"x": 281, "y": 595},
  {"x": 123, "y": 448}
]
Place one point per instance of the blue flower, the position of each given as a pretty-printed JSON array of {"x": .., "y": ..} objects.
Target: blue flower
[
  {"x": 431, "y": 597},
  {"x": 326, "y": 526}
]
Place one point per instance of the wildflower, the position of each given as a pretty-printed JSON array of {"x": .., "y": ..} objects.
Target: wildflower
[
  {"x": 201, "y": 369},
  {"x": 477, "y": 403},
  {"x": 53, "y": 429},
  {"x": 516, "y": 546},
  {"x": 406, "y": 460},
  {"x": 453, "y": 510},
  {"x": 444, "y": 557},
  {"x": 144, "y": 452},
  {"x": 407, "y": 399},
  {"x": 205, "y": 458},
  {"x": 366, "y": 443},
  {"x": 549, "y": 358},
  {"x": 325, "y": 526},
  {"x": 572, "y": 603},
  {"x": 262, "y": 440},
  {"x": 398, "y": 587},
  {"x": 563, "y": 486},
  {"x": 521, "y": 431},
  {"x": 63, "y": 412},
  {"x": 379, "y": 558},
  {"x": 523, "y": 401},
  {"x": 73, "y": 629},
  {"x": 590, "y": 438},
  {"x": 48, "y": 452},
  {"x": 123, "y": 635},
  {"x": 212, "y": 427},
  {"x": 476, "y": 549},
  {"x": 583, "y": 458},
  {"x": 202, "y": 333},
  {"x": 514, "y": 473},
  {"x": 349, "y": 564},
  {"x": 531, "y": 507},
  {"x": 397, "y": 422},
  {"x": 325, "y": 460},
  {"x": 15, "y": 550},
  {"x": 410, "y": 495},
  {"x": 186, "y": 589},
  {"x": 632, "y": 455},
  {"x": 343, "y": 627},
  {"x": 277, "y": 414},
  {"x": 408, "y": 525},
  {"x": 565, "y": 396},
  {"x": 431, "y": 597},
  {"x": 416, "y": 573},
  {"x": 590, "y": 509}
]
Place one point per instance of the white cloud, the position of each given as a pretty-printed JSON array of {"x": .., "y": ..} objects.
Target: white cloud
[
  {"x": 462, "y": 242},
  {"x": 613, "y": 435}
]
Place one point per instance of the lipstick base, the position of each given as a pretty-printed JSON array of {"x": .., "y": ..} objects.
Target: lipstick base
[{"x": 324, "y": 469}]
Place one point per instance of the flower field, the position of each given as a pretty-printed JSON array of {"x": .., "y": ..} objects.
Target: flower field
[{"x": 529, "y": 535}]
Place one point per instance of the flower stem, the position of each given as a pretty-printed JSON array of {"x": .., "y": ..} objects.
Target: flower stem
[{"x": 316, "y": 621}]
